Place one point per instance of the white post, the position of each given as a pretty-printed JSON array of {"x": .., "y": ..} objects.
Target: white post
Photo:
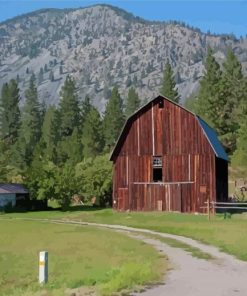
[{"x": 43, "y": 267}]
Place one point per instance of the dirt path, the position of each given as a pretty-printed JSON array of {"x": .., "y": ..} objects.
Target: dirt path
[{"x": 190, "y": 276}]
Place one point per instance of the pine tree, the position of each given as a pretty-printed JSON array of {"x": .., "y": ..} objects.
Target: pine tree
[
  {"x": 69, "y": 108},
  {"x": 132, "y": 103},
  {"x": 208, "y": 104},
  {"x": 41, "y": 76},
  {"x": 113, "y": 118},
  {"x": 74, "y": 150},
  {"x": 51, "y": 76},
  {"x": 240, "y": 155},
  {"x": 69, "y": 149},
  {"x": 10, "y": 112},
  {"x": 30, "y": 131},
  {"x": 92, "y": 134},
  {"x": 168, "y": 88},
  {"x": 232, "y": 94},
  {"x": 50, "y": 133},
  {"x": 86, "y": 107}
]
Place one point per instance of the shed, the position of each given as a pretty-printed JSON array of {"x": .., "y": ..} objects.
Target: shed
[
  {"x": 168, "y": 159},
  {"x": 14, "y": 194}
]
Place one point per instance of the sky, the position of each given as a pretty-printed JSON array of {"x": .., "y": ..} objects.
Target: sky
[{"x": 222, "y": 16}]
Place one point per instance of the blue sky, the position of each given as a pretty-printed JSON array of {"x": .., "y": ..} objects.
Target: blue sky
[{"x": 217, "y": 16}]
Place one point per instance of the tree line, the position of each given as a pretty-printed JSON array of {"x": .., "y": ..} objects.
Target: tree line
[
  {"x": 60, "y": 151},
  {"x": 222, "y": 102}
]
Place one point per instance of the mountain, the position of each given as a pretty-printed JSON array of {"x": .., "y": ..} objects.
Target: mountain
[{"x": 102, "y": 46}]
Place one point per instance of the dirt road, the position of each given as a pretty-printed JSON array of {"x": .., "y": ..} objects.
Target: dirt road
[{"x": 190, "y": 276}]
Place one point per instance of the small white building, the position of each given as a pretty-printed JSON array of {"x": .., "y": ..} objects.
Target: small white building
[{"x": 14, "y": 194}]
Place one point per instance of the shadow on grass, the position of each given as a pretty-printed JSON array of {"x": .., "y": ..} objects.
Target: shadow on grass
[
  {"x": 79, "y": 208},
  {"x": 76, "y": 208}
]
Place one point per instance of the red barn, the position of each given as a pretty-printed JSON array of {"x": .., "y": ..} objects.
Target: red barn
[{"x": 168, "y": 159}]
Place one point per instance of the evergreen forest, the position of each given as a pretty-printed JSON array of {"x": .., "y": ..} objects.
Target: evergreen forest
[{"x": 63, "y": 151}]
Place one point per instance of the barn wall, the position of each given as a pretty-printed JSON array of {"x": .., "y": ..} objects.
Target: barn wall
[{"x": 188, "y": 162}]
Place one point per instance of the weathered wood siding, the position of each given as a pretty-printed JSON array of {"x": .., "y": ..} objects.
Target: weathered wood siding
[{"x": 188, "y": 162}]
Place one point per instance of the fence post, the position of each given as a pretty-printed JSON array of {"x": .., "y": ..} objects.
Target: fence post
[
  {"x": 43, "y": 267},
  {"x": 208, "y": 209}
]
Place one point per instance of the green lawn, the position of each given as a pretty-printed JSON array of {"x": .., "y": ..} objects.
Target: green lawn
[
  {"x": 230, "y": 235},
  {"x": 78, "y": 256}
]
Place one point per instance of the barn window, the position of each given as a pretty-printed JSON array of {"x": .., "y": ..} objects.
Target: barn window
[
  {"x": 161, "y": 104},
  {"x": 157, "y": 162},
  {"x": 157, "y": 169}
]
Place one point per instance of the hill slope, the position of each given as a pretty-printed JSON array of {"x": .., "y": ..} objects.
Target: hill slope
[{"x": 102, "y": 46}]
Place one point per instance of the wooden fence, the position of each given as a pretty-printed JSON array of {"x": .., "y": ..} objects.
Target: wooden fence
[{"x": 213, "y": 205}]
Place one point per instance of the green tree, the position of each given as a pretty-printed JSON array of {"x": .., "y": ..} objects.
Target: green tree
[
  {"x": 41, "y": 75},
  {"x": 50, "y": 133},
  {"x": 240, "y": 155},
  {"x": 30, "y": 131},
  {"x": 40, "y": 180},
  {"x": 69, "y": 108},
  {"x": 232, "y": 94},
  {"x": 113, "y": 118},
  {"x": 95, "y": 179},
  {"x": 132, "y": 103},
  {"x": 92, "y": 134},
  {"x": 69, "y": 149},
  {"x": 10, "y": 112},
  {"x": 168, "y": 88},
  {"x": 86, "y": 107},
  {"x": 4, "y": 161},
  {"x": 66, "y": 185},
  {"x": 208, "y": 103},
  {"x": 51, "y": 76}
]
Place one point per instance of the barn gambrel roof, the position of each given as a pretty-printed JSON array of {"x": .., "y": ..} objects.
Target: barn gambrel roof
[
  {"x": 208, "y": 131},
  {"x": 213, "y": 139}
]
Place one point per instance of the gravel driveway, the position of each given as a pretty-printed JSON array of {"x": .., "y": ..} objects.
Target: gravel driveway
[
  {"x": 223, "y": 276},
  {"x": 190, "y": 276}
]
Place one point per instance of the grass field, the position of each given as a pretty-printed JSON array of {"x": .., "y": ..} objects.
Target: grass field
[
  {"x": 78, "y": 256},
  {"x": 230, "y": 235}
]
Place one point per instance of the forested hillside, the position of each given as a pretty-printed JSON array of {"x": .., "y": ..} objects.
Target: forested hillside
[
  {"x": 70, "y": 78},
  {"x": 102, "y": 47},
  {"x": 222, "y": 102},
  {"x": 60, "y": 151}
]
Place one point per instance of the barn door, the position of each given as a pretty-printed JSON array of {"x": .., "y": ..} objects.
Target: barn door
[
  {"x": 175, "y": 198},
  {"x": 123, "y": 199}
]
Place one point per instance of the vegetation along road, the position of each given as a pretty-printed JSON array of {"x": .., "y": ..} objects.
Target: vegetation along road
[
  {"x": 196, "y": 268},
  {"x": 83, "y": 259},
  {"x": 191, "y": 274}
]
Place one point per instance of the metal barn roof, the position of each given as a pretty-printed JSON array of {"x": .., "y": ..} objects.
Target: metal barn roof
[
  {"x": 213, "y": 140},
  {"x": 12, "y": 188}
]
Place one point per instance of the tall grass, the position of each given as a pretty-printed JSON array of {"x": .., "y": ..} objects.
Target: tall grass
[
  {"x": 229, "y": 235},
  {"x": 78, "y": 256}
]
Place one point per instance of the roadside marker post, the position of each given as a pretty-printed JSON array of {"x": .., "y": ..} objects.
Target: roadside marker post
[{"x": 43, "y": 267}]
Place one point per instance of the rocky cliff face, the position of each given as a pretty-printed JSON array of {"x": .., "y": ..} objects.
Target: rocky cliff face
[{"x": 102, "y": 46}]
